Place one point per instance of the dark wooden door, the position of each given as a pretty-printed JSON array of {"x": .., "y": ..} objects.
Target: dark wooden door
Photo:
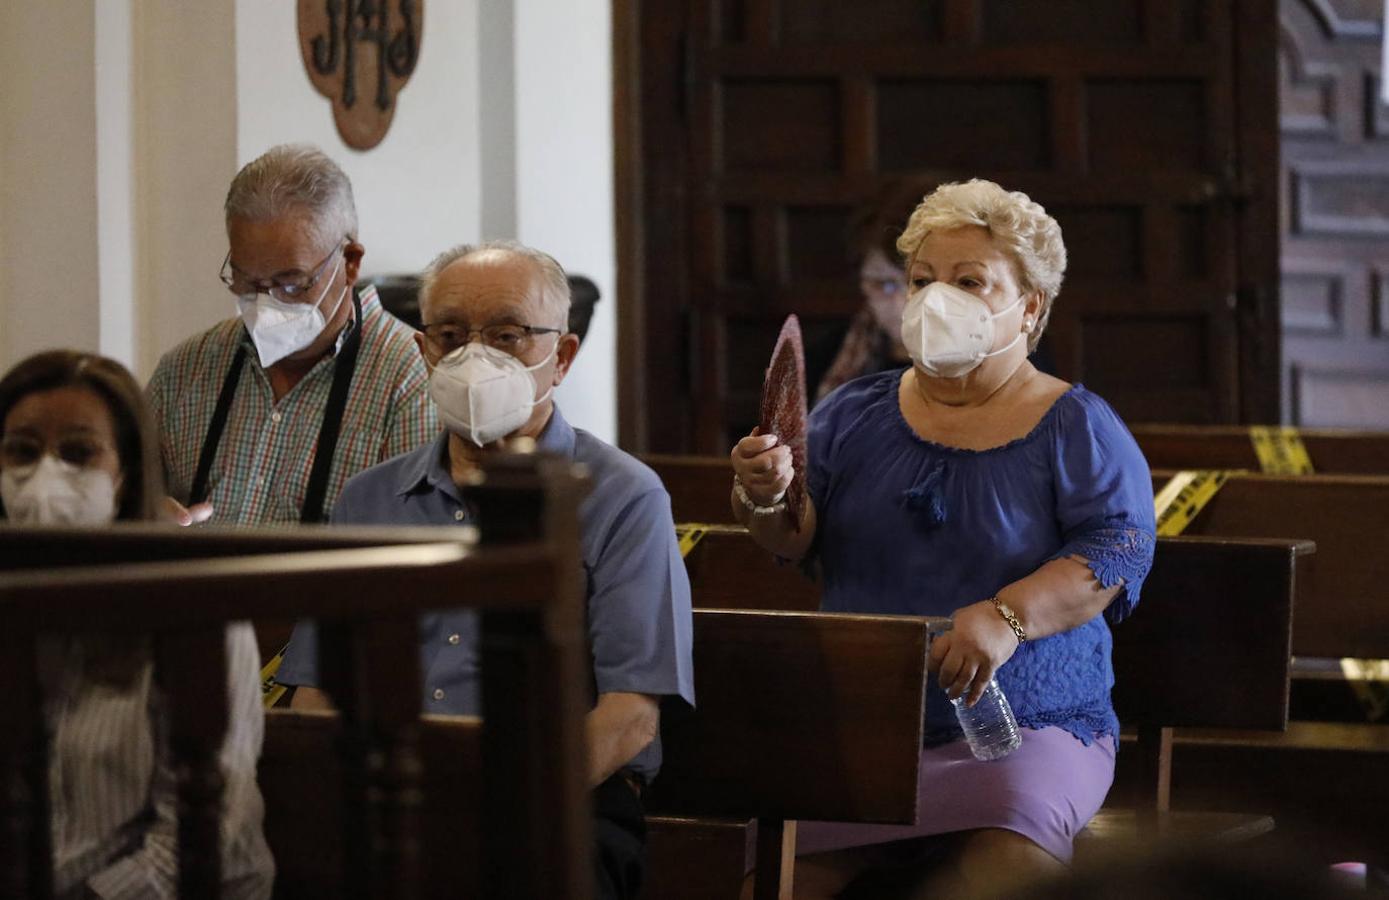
[
  {"x": 1336, "y": 222},
  {"x": 1147, "y": 127}
]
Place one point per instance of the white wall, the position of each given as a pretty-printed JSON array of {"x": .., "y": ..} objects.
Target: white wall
[
  {"x": 185, "y": 102},
  {"x": 564, "y": 193},
  {"x": 417, "y": 191},
  {"x": 121, "y": 127},
  {"x": 48, "y": 210}
]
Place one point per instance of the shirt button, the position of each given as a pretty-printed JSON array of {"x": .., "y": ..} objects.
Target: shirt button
[
  {"x": 453, "y": 639},
  {"x": 459, "y": 515},
  {"x": 438, "y": 693},
  {"x": 275, "y": 417}
]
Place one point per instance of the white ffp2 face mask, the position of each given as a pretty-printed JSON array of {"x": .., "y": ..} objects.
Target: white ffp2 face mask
[
  {"x": 280, "y": 329},
  {"x": 948, "y": 331},
  {"x": 53, "y": 492},
  {"x": 484, "y": 394}
]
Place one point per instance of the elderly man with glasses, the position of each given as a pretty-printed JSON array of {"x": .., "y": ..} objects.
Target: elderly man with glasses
[
  {"x": 496, "y": 343},
  {"x": 264, "y": 416}
]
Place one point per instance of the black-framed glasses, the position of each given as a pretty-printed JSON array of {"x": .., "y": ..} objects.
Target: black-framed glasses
[
  {"x": 447, "y": 337},
  {"x": 289, "y": 290}
]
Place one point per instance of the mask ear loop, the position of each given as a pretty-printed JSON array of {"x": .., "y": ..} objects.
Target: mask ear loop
[
  {"x": 336, "y": 306},
  {"x": 1001, "y": 350},
  {"x": 554, "y": 351},
  {"x": 1014, "y": 342}
]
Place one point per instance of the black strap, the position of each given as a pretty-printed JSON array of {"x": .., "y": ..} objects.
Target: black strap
[
  {"x": 216, "y": 427},
  {"x": 333, "y": 412},
  {"x": 343, "y": 370}
]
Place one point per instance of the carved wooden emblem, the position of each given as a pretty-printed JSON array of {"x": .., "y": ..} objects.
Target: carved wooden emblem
[{"x": 359, "y": 54}]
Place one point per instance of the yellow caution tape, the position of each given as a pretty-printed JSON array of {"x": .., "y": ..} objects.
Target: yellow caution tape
[
  {"x": 1181, "y": 500},
  {"x": 1280, "y": 450},
  {"x": 1369, "y": 680},
  {"x": 691, "y": 533},
  {"x": 271, "y": 690}
]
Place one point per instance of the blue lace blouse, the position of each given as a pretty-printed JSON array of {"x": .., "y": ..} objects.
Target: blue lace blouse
[{"x": 912, "y": 527}]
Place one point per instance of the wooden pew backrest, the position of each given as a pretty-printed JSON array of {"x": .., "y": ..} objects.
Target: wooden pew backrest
[
  {"x": 1343, "y": 608},
  {"x": 800, "y": 716},
  {"x": 699, "y": 486},
  {"x": 140, "y": 542},
  {"x": 300, "y": 774},
  {"x": 1208, "y": 645},
  {"x": 1332, "y": 452},
  {"x": 731, "y": 571},
  {"x": 367, "y": 600}
]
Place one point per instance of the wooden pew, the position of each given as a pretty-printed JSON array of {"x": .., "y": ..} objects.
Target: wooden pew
[
  {"x": 1308, "y": 775},
  {"x": 368, "y": 601},
  {"x": 1325, "y": 777},
  {"x": 832, "y": 731},
  {"x": 1186, "y": 658},
  {"x": 151, "y": 543},
  {"x": 1333, "y": 452},
  {"x": 699, "y": 486},
  {"x": 299, "y": 768},
  {"x": 1344, "y": 608}
]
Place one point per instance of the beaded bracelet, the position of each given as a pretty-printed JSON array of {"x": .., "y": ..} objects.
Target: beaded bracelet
[{"x": 778, "y": 505}]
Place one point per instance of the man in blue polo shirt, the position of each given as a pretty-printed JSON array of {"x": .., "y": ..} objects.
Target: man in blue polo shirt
[{"x": 495, "y": 344}]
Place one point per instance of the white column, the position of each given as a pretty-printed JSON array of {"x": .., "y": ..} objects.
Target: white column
[
  {"x": 564, "y": 162},
  {"x": 185, "y": 111},
  {"x": 48, "y": 208},
  {"x": 115, "y": 178}
]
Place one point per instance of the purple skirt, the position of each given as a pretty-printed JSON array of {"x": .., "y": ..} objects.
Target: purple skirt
[{"x": 1046, "y": 790}]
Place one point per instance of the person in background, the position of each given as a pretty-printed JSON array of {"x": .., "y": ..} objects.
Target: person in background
[
  {"x": 265, "y": 416},
  {"x": 496, "y": 341},
  {"x": 972, "y": 485},
  {"x": 870, "y": 342},
  {"x": 78, "y": 448}
]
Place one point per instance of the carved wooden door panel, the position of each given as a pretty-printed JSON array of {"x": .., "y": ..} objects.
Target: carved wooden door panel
[
  {"x": 1336, "y": 214},
  {"x": 1147, "y": 127}
]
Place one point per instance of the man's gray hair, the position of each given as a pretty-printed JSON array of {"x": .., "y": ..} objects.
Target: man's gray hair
[
  {"x": 555, "y": 295},
  {"x": 295, "y": 178}
]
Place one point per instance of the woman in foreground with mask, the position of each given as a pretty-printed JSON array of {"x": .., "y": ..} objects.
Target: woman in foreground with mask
[
  {"x": 975, "y": 486},
  {"x": 77, "y": 448}
]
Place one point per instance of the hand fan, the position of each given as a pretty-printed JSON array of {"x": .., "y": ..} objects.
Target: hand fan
[{"x": 784, "y": 409}]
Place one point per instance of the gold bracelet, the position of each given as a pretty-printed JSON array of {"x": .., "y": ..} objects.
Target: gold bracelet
[{"x": 1010, "y": 617}]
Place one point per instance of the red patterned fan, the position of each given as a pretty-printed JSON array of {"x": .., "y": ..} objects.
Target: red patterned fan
[{"x": 784, "y": 409}]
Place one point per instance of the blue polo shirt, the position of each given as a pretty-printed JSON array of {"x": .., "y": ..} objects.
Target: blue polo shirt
[{"x": 639, "y": 622}]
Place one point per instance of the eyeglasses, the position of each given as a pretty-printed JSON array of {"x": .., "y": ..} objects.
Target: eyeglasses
[
  {"x": 447, "y": 337},
  {"x": 281, "y": 289},
  {"x": 21, "y": 450}
]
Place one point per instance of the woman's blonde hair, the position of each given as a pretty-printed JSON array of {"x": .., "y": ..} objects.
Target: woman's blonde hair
[{"x": 1020, "y": 226}]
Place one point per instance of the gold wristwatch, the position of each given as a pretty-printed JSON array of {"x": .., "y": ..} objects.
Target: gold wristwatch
[{"x": 1010, "y": 617}]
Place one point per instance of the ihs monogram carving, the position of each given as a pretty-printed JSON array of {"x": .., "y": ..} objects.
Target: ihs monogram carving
[{"x": 359, "y": 54}]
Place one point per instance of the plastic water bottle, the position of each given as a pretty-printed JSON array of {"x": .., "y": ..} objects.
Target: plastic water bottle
[{"x": 989, "y": 725}]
